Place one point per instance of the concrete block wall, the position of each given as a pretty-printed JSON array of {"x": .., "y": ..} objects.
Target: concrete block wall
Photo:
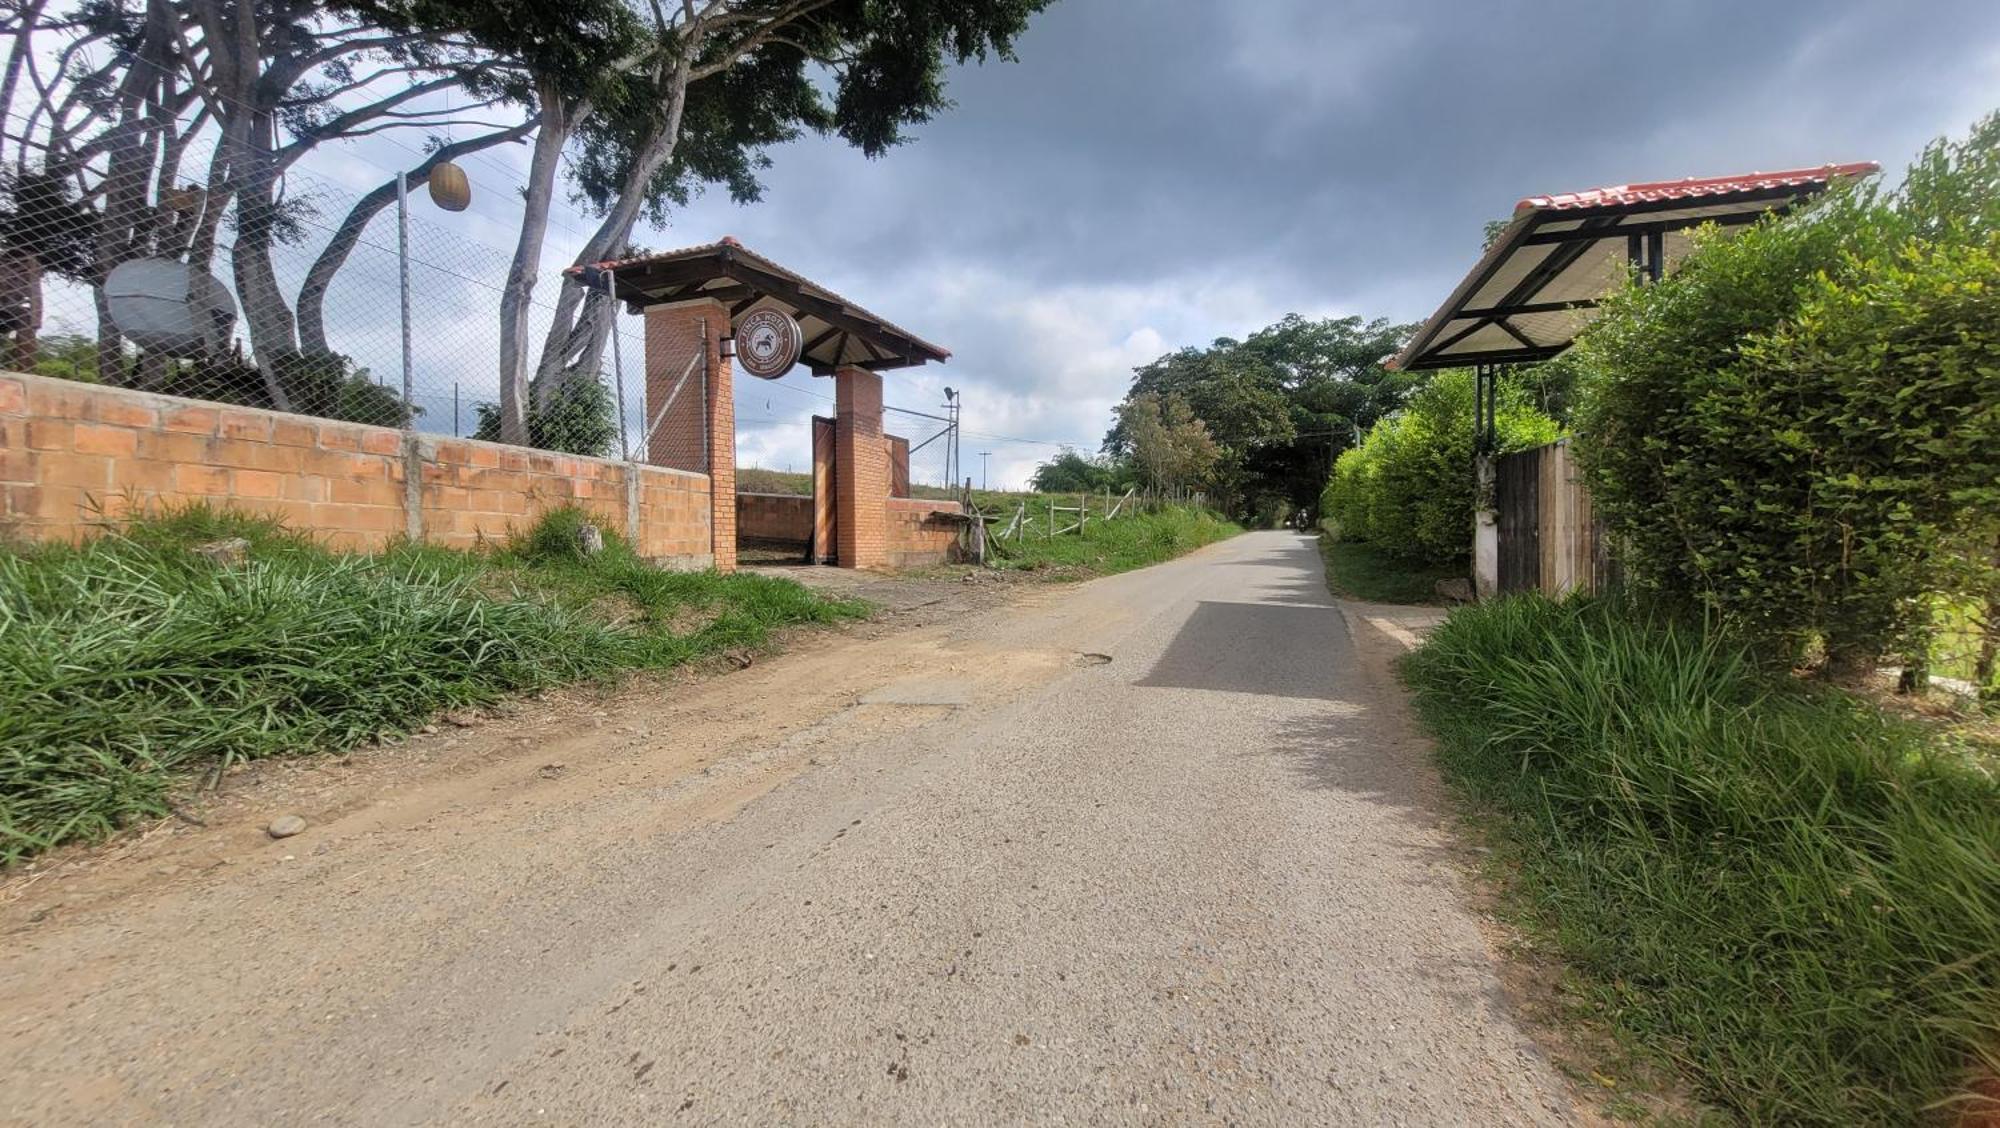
[{"x": 73, "y": 455}]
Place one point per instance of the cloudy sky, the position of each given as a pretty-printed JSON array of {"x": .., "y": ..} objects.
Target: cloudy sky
[{"x": 1156, "y": 173}]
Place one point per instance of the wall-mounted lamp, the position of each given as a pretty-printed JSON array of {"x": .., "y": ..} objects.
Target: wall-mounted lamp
[{"x": 728, "y": 348}]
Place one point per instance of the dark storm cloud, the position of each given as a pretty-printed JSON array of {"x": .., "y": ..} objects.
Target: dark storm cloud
[{"x": 1150, "y": 174}]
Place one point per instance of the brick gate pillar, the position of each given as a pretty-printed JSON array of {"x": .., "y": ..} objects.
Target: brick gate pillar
[
  {"x": 861, "y": 469},
  {"x": 698, "y": 431}
]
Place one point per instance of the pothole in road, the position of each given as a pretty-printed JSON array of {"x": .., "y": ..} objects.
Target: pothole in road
[{"x": 1092, "y": 658}]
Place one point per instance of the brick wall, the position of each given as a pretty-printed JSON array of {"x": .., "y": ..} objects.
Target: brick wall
[
  {"x": 774, "y": 517},
  {"x": 72, "y": 455},
  {"x": 920, "y": 532}
]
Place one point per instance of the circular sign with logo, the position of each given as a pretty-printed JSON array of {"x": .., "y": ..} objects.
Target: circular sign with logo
[{"x": 768, "y": 342}]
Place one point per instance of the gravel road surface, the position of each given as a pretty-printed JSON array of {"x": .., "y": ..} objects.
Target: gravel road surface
[{"x": 1159, "y": 848}]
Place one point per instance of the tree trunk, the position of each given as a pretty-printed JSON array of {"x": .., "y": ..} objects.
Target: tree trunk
[
  {"x": 570, "y": 345},
  {"x": 128, "y": 171},
  {"x": 312, "y": 292},
  {"x": 557, "y": 123}
]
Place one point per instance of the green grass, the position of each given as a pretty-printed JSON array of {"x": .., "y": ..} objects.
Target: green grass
[
  {"x": 1357, "y": 570},
  {"x": 991, "y": 502},
  {"x": 1791, "y": 896},
  {"x": 131, "y": 662},
  {"x": 1132, "y": 540}
]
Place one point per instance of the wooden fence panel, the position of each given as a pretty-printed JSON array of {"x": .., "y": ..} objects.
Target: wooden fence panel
[
  {"x": 1518, "y": 488},
  {"x": 1550, "y": 538}
]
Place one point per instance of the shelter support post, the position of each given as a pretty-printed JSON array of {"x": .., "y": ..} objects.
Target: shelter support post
[
  {"x": 861, "y": 469},
  {"x": 696, "y": 430}
]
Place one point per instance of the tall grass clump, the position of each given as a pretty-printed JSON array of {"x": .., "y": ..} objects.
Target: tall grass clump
[
  {"x": 1132, "y": 540},
  {"x": 133, "y": 660},
  {"x": 1788, "y": 893}
]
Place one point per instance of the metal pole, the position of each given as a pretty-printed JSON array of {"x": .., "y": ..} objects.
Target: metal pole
[
  {"x": 454, "y": 409},
  {"x": 617, "y": 363},
  {"x": 403, "y": 271}
]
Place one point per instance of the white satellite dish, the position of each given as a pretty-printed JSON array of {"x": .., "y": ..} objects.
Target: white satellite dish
[{"x": 167, "y": 306}]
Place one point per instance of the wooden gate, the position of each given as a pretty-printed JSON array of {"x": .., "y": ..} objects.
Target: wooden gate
[
  {"x": 1550, "y": 538},
  {"x": 1517, "y": 485}
]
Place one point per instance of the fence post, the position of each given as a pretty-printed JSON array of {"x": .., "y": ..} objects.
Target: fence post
[
  {"x": 1052, "y": 516},
  {"x": 1082, "y": 513},
  {"x": 618, "y": 365},
  {"x": 403, "y": 282}
]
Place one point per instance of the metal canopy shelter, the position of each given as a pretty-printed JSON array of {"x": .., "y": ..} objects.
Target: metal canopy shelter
[
  {"x": 1539, "y": 283},
  {"x": 837, "y": 332}
]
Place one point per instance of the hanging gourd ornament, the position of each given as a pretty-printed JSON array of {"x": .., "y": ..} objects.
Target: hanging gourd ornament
[{"x": 449, "y": 188}]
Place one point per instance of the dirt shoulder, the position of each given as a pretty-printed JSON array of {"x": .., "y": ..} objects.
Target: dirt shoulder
[{"x": 540, "y": 745}]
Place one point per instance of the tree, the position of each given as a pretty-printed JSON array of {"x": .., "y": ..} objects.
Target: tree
[
  {"x": 865, "y": 69},
  {"x": 1170, "y": 446},
  {"x": 1075, "y": 472},
  {"x": 1281, "y": 404}
]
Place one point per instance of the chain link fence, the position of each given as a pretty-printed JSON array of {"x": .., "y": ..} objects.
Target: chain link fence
[{"x": 337, "y": 301}]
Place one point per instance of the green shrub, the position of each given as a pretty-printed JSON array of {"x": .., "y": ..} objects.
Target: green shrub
[
  {"x": 1772, "y": 884},
  {"x": 1408, "y": 488},
  {"x": 579, "y": 417},
  {"x": 1796, "y": 428}
]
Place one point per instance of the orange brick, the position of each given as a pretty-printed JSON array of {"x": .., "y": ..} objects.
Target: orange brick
[
  {"x": 377, "y": 440},
  {"x": 293, "y": 433},
  {"x": 259, "y": 483},
  {"x": 113, "y": 408},
  {"x": 172, "y": 446},
  {"x": 85, "y": 471},
  {"x": 191, "y": 420},
  {"x": 16, "y": 466},
  {"x": 21, "y": 501},
  {"x": 207, "y": 481},
  {"x": 340, "y": 436},
  {"x": 50, "y": 434},
  {"x": 13, "y": 397},
  {"x": 144, "y": 475},
  {"x": 96, "y": 438},
  {"x": 237, "y": 423},
  {"x": 362, "y": 493}
]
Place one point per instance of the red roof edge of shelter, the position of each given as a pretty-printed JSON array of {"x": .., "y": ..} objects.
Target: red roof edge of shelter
[{"x": 1696, "y": 187}]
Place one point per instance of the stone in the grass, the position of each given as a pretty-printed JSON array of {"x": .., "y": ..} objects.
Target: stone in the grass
[{"x": 284, "y": 826}]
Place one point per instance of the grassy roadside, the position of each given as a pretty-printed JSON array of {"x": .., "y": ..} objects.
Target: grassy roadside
[
  {"x": 1133, "y": 540},
  {"x": 132, "y": 662},
  {"x": 1790, "y": 896},
  {"x": 1355, "y": 570}
]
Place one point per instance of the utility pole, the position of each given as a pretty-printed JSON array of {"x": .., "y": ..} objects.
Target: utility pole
[
  {"x": 983, "y": 456},
  {"x": 951, "y": 404}
]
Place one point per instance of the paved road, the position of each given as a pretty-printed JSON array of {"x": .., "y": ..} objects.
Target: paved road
[{"x": 974, "y": 874}]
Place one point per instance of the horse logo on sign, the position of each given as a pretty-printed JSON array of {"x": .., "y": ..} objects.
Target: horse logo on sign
[{"x": 768, "y": 343}]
